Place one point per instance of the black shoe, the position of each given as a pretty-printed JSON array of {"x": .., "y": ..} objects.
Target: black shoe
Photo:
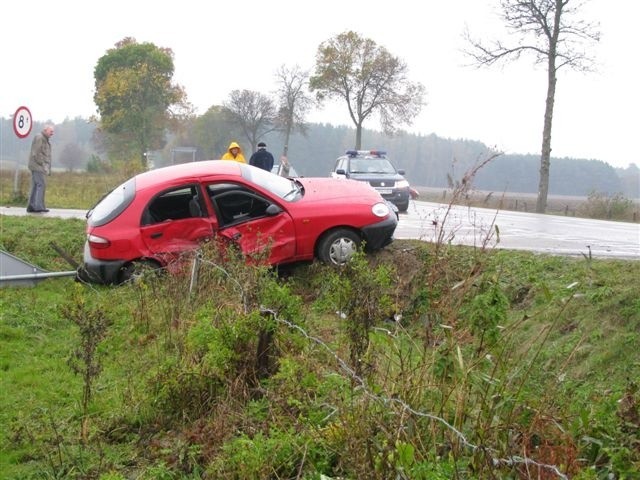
[{"x": 44, "y": 210}]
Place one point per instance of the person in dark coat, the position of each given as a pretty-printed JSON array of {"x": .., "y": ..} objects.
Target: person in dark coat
[
  {"x": 262, "y": 158},
  {"x": 40, "y": 166}
]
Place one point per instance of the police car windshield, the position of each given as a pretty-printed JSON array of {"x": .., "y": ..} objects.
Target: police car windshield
[{"x": 371, "y": 165}]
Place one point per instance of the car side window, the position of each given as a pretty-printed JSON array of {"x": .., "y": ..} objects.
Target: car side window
[
  {"x": 235, "y": 203},
  {"x": 175, "y": 204}
]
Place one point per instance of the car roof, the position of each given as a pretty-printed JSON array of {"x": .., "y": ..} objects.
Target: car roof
[
  {"x": 185, "y": 171},
  {"x": 365, "y": 154}
]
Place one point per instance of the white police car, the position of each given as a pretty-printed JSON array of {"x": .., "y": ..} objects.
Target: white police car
[{"x": 373, "y": 167}]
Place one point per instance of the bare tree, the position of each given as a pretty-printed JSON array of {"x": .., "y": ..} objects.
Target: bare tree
[
  {"x": 369, "y": 79},
  {"x": 72, "y": 156},
  {"x": 253, "y": 112},
  {"x": 294, "y": 104},
  {"x": 212, "y": 132},
  {"x": 550, "y": 31}
]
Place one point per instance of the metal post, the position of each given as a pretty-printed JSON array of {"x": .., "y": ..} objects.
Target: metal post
[{"x": 195, "y": 267}]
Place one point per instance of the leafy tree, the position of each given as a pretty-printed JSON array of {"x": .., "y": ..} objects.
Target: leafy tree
[
  {"x": 253, "y": 112},
  {"x": 549, "y": 30},
  {"x": 212, "y": 132},
  {"x": 369, "y": 79},
  {"x": 135, "y": 97},
  {"x": 293, "y": 101}
]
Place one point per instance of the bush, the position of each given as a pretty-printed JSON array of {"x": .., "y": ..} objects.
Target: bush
[{"x": 599, "y": 205}]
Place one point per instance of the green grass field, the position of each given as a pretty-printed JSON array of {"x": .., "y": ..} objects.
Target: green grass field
[{"x": 421, "y": 362}]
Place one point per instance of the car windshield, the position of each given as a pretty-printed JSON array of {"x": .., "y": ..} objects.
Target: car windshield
[
  {"x": 283, "y": 187},
  {"x": 113, "y": 204},
  {"x": 371, "y": 165}
]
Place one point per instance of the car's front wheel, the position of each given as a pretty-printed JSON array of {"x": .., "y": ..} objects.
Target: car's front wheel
[
  {"x": 137, "y": 270},
  {"x": 338, "y": 246}
]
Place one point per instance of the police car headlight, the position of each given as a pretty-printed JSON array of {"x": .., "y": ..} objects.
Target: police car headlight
[
  {"x": 402, "y": 184},
  {"x": 380, "y": 210}
]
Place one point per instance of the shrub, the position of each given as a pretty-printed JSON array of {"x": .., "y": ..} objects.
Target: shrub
[{"x": 600, "y": 205}]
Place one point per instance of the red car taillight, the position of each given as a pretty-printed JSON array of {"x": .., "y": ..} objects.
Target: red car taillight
[{"x": 98, "y": 242}]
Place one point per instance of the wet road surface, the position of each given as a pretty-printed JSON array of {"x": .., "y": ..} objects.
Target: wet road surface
[{"x": 520, "y": 231}]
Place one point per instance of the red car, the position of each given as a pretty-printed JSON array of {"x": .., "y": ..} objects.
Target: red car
[{"x": 154, "y": 217}]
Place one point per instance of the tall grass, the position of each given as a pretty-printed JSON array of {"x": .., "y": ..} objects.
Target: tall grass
[
  {"x": 64, "y": 189},
  {"x": 418, "y": 362}
]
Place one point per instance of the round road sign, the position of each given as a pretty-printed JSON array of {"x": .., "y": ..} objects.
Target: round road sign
[{"x": 22, "y": 122}]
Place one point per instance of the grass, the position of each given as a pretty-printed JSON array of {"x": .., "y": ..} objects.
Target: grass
[
  {"x": 180, "y": 394},
  {"x": 64, "y": 189},
  {"x": 32, "y": 237}
]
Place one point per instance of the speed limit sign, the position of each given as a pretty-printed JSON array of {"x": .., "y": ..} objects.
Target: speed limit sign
[{"x": 22, "y": 122}]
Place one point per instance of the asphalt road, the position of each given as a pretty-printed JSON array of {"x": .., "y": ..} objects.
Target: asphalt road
[
  {"x": 499, "y": 229},
  {"x": 520, "y": 231}
]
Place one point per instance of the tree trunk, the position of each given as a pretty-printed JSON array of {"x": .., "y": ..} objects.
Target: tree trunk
[
  {"x": 286, "y": 140},
  {"x": 358, "y": 136},
  {"x": 545, "y": 157}
]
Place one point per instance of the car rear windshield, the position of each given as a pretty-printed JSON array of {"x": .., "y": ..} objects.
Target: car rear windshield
[{"x": 113, "y": 204}]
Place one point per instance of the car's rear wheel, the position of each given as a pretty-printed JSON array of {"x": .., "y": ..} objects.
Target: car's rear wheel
[
  {"x": 137, "y": 270},
  {"x": 338, "y": 246}
]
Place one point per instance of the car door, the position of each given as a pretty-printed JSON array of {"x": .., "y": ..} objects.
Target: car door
[
  {"x": 176, "y": 221},
  {"x": 341, "y": 167},
  {"x": 255, "y": 223}
]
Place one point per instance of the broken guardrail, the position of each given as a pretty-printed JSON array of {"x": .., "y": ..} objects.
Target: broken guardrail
[{"x": 16, "y": 272}]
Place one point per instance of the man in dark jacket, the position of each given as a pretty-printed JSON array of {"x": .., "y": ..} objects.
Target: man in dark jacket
[
  {"x": 262, "y": 158},
  {"x": 40, "y": 166}
]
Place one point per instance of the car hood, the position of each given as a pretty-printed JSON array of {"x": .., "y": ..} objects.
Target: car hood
[{"x": 323, "y": 189}]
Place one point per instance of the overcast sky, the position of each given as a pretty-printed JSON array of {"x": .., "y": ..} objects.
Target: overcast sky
[{"x": 49, "y": 50}]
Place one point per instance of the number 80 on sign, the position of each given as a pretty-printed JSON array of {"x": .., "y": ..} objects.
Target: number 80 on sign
[{"x": 22, "y": 123}]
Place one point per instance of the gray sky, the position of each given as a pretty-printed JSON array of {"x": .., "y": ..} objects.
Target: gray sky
[{"x": 49, "y": 50}]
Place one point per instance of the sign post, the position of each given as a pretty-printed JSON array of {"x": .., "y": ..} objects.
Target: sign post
[{"x": 22, "y": 125}]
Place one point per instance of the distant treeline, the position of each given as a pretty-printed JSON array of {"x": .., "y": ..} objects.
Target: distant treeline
[{"x": 428, "y": 160}]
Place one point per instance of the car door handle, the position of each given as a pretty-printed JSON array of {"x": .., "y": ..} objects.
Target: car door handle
[
  {"x": 236, "y": 236},
  {"x": 156, "y": 235}
]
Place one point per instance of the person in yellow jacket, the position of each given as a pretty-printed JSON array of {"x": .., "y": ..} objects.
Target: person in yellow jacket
[{"x": 234, "y": 152}]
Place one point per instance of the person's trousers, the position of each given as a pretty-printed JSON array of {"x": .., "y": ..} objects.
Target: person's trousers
[{"x": 38, "y": 186}]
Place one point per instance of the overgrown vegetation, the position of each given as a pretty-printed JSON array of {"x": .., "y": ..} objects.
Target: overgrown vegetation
[
  {"x": 418, "y": 362},
  {"x": 607, "y": 207},
  {"x": 64, "y": 190}
]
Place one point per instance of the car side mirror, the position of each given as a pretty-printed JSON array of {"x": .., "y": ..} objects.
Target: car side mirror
[
  {"x": 340, "y": 171},
  {"x": 401, "y": 171},
  {"x": 273, "y": 210}
]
